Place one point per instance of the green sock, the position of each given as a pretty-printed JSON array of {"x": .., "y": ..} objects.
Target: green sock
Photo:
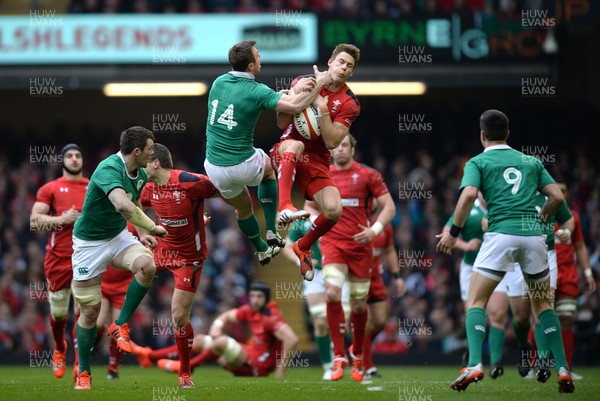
[
  {"x": 521, "y": 332},
  {"x": 475, "y": 326},
  {"x": 496, "y": 341},
  {"x": 85, "y": 343},
  {"x": 552, "y": 333},
  {"x": 133, "y": 297},
  {"x": 268, "y": 196},
  {"x": 324, "y": 347},
  {"x": 251, "y": 230}
]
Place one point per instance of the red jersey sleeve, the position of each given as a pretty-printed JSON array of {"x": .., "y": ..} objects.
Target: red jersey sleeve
[
  {"x": 273, "y": 323},
  {"x": 146, "y": 194},
  {"x": 348, "y": 113},
  {"x": 577, "y": 234},
  {"x": 243, "y": 313},
  {"x": 198, "y": 186},
  {"x": 45, "y": 194},
  {"x": 376, "y": 184}
]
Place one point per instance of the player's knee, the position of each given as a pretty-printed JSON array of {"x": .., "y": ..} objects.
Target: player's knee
[
  {"x": 565, "y": 309},
  {"x": 497, "y": 317},
  {"x": 181, "y": 316},
  {"x": 219, "y": 344},
  {"x": 358, "y": 305},
  {"x": 321, "y": 327},
  {"x": 59, "y": 303},
  {"x": 359, "y": 292},
  {"x": 333, "y": 210}
]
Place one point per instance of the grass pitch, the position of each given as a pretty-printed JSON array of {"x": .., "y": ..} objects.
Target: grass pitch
[{"x": 414, "y": 383}]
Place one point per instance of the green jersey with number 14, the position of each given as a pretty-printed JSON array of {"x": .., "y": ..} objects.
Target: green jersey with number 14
[
  {"x": 508, "y": 180},
  {"x": 234, "y": 105}
]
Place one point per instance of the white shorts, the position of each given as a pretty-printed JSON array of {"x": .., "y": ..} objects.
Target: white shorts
[
  {"x": 465, "y": 278},
  {"x": 514, "y": 285},
  {"x": 231, "y": 180},
  {"x": 500, "y": 252},
  {"x": 317, "y": 286},
  {"x": 91, "y": 257}
]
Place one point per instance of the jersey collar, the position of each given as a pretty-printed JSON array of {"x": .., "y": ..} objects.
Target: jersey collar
[
  {"x": 241, "y": 74},
  {"x": 125, "y": 164},
  {"x": 497, "y": 147}
]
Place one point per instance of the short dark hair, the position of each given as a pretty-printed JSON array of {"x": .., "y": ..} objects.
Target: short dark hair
[
  {"x": 494, "y": 124},
  {"x": 347, "y": 48},
  {"x": 161, "y": 152},
  {"x": 240, "y": 55},
  {"x": 134, "y": 137}
]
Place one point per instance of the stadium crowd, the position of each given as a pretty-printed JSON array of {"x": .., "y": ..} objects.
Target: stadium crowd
[
  {"x": 423, "y": 185},
  {"x": 347, "y": 8}
]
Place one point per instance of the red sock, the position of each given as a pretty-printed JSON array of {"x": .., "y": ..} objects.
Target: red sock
[
  {"x": 207, "y": 356},
  {"x": 337, "y": 326},
  {"x": 568, "y": 337},
  {"x": 319, "y": 228},
  {"x": 114, "y": 356},
  {"x": 359, "y": 325},
  {"x": 58, "y": 332},
  {"x": 74, "y": 334},
  {"x": 169, "y": 352},
  {"x": 286, "y": 173},
  {"x": 533, "y": 353},
  {"x": 367, "y": 350},
  {"x": 184, "y": 338}
]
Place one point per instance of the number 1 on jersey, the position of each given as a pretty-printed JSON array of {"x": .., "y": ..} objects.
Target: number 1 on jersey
[
  {"x": 515, "y": 181},
  {"x": 226, "y": 118}
]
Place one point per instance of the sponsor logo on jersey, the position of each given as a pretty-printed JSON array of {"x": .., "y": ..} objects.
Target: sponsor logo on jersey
[
  {"x": 83, "y": 270},
  {"x": 350, "y": 202},
  {"x": 355, "y": 178},
  {"x": 63, "y": 189},
  {"x": 174, "y": 223}
]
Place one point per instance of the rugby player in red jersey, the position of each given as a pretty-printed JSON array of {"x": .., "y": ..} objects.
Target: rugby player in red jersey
[
  {"x": 567, "y": 284},
  {"x": 347, "y": 250},
  {"x": 266, "y": 351},
  {"x": 384, "y": 254},
  {"x": 306, "y": 161},
  {"x": 56, "y": 208},
  {"x": 177, "y": 197}
]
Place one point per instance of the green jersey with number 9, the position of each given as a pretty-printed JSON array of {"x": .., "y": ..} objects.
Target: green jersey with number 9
[
  {"x": 235, "y": 102},
  {"x": 508, "y": 181}
]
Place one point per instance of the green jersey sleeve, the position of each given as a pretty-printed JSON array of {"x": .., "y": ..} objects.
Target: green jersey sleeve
[
  {"x": 109, "y": 179},
  {"x": 544, "y": 177},
  {"x": 266, "y": 97},
  {"x": 563, "y": 213},
  {"x": 472, "y": 175}
]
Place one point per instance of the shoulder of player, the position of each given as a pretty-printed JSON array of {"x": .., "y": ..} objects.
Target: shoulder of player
[
  {"x": 351, "y": 96},
  {"x": 369, "y": 170}
]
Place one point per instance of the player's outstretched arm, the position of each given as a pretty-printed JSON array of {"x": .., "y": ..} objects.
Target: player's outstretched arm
[
  {"x": 133, "y": 213},
  {"x": 222, "y": 322},
  {"x": 461, "y": 213},
  {"x": 297, "y": 103},
  {"x": 289, "y": 340},
  {"x": 462, "y": 245}
]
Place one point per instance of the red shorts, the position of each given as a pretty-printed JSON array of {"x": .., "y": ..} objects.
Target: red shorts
[
  {"x": 312, "y": 175},
  {"x": 358, "y": 257},
  {"x": 253, "y": 367},
  {"x": 115, "y": 293},
  {"x": 567, "y": 283},
  {"x": 377, "y": 291},
  {"x": 59, "y": 272},
  {"x": 187, "y": 276}
]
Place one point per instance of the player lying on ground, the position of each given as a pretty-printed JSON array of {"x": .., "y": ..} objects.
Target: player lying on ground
[{"x": 269, "y": 348}]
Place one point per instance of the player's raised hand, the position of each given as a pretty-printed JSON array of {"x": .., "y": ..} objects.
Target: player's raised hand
[
  {"x": 320, "y": 101},
  {"x": 446, "y": 243},
  {"x": 306, "y": 84},
  {"x": 365, "y": 236},
  {"x": 70, "y": 216},
  {"x": 322, "y": 76},
  {"x": 148, "y": 240},
  {"x": 159, "y": 231}
]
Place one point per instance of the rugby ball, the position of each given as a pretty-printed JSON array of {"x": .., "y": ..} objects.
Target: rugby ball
[{"x": 307, "y": 123}]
